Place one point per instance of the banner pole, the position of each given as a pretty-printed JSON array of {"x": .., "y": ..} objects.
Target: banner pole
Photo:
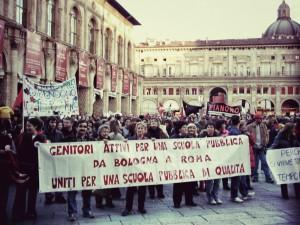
[{"x": 23, "y": 118}]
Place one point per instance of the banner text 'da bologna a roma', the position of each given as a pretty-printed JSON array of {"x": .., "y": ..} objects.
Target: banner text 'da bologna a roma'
[{"x": 97, "y": 165}]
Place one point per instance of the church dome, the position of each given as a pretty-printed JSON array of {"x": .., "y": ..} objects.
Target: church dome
[{"x": 284, "y": 26}]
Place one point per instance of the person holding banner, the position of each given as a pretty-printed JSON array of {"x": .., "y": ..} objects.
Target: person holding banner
[
  {"x": 53, "y": 135},
  {"x": 140, "y": 131},
  {"x": 287, "y": 139},
  {"x": 154, "y": 131},
  {"x": 103, "y": 135},
  {"x": 212, "y": 186},
  {"x": 192, "y": 132},
  {"x": 223, "y": 132},
  {"x": 81, "y": 136},
  {"x": 180, "y": 129},
  {"x": 238, "y": 183},
  {"x": 27, "y": 153}
]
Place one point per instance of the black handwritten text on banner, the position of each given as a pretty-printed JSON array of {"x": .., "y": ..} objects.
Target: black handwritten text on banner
[
  {"x": 94, "y": 165},
  {"x": 285, "y": 165}
]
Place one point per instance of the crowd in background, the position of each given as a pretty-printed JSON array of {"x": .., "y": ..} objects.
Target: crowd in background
[{"x": 19, "y": 156}]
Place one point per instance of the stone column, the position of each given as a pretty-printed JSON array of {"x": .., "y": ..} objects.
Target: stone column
[
  {"x": 253, "y": 98},
  {"x": 206, "y": 94},
  {"x": 278, "y": 101},
  {"x": 229, "y": 94}
]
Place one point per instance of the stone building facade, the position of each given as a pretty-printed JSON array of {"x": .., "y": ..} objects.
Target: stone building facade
[
  {"x": 99, "y": 30},
  {"x": 261, "y": 74}
]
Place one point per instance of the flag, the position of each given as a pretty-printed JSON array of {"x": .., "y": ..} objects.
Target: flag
[
  {"x": 19, "y": 100},
  {"x": 190, "y": 109}
]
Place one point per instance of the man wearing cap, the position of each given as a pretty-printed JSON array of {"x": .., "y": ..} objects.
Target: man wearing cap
[{"x": 259, "y": 131}]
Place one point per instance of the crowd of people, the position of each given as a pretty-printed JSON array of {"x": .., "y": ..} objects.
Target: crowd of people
[{"x": 19, "y": 156}]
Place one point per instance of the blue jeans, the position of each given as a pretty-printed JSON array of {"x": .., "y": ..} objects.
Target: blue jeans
[
  {"x": 72, "y": 204},
  {"x": 212, "y": 189},
  {"x": 260, "y": 155}
]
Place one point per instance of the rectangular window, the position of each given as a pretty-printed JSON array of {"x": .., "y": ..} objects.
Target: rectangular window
[
  {"x": 177, "y": 91},
  {"x": 73, "y": 28},
  {"x": 283, "y": 90},
  {"x": 273, "y": 91},
  {"x": 194, "y": 91},
  {"x": 234, "y": 90},
  {"x": 265, "y": 90},
  {"x": 200, "y": 91},
  {"x": 258, "y": 90},
  {"x": 290, "y": 90},
  {"x": 241, "y": 91},
  {"x": 248, "y": 90},
  {"x": 21, "y": 12},
  {"x": 50, "y": 18},
  {"x": 297, "y": 90},
  {"x": 164, "y": 91},
  {"x": 171, "y": 92}
]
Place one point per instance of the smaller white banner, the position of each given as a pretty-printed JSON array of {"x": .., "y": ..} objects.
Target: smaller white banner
[
  {"x": 59, "y": 99},
  {"x": 285, "y": 165}
]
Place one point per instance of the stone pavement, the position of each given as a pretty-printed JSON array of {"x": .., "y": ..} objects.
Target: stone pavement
[{"x": 266, "y": 208}]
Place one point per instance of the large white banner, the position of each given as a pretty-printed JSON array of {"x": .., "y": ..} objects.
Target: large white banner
[
  {"x": 285, "y": 165},
  {"x": 48, "y": 100},
  {"x": 96, "y": 165}
]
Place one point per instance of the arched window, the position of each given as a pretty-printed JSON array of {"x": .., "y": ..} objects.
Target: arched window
[
  {"x": 129, "y": 52},
  {"x": 21, "y": 12},
  {"x": 50, "y": 18},
  {"x": 92, "y": 36},
  {"x": 73, "y": 26},
  {"x": 120, "y": 50},
  {"x": 108, "y": 44}
]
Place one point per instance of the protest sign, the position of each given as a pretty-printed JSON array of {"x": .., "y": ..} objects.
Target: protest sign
[
  {"x": 94, "y": 165},
  {"x": 284, "y": 165},
  {"x": 218, "y": 109},
  {"x": 48, "y": 100}
]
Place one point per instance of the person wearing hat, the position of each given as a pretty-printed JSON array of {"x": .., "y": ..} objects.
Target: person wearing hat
[{"x": 259, "y": 131}]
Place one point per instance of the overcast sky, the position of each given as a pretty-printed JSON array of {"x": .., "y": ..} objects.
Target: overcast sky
[{"x": 201, "y": 19}]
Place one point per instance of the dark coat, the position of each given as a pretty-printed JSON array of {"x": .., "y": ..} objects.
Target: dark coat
[
  {"x": 27, "y": 153},
  {"x": 281, "y": 141},
  {"x": 54, "y": 136}
]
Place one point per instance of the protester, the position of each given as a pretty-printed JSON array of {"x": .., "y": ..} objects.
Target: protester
[
  {"x": 180, "y": 129},
  {"x": 259, "y": 131},
  {"x": 192, "y": 132},
  {"x": 103, "y": 135},
  {"x": 27, "y": 154},
  {"x": 238, "y": 183},
  {"x": 212, "y": 186},
  {"x": 155, "y": 132},
  {"x": 5, "y": 116},
  {"x": 287, "y": 139},
  {"x": 140, "y": 131},
  {"x": 223, "y": 132},
  {"x": 53, "y": 135},
  {"x": 81, "y": 136},
  {"x": 9, "y": 171},
  {"x": 244, "y": 131}
]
